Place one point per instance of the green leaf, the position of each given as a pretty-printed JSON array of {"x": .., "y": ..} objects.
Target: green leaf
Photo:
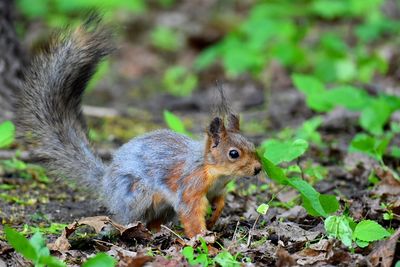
[
  {"x": 328, "y": 202},
  {"x": 20, "y": 243},
  {"x": 100, "y": 260},
  {"x": 263, "y": 208},
  {"x": 314, "y": 90},
  {"x": 369, "y": 231},
  {"x": 308, "y": 193},
  {"x": 175, "y": 123},
  {"x": 165, "y": 38},
  {"x": 339, "y": 227},
  {"x": 274, "y": 172},
  {"x": 179, "y": 81},
  {"x": 38, "y": 242},
  {"x": 286, "y": 151},
  {"x": 225, "y": 259},
  {"x": 50, "y": 261},
  {"x": 308, "y": 84},
  {"x": 375, "y": 116},
  {"x": 188, "y": 253},
  {"x": 349, "y": 97},
  {"x": 362, "y": 244},
  {"x": 202, "y": 259},
  {"x": 7, "y": 134},
  {"x": 308, "y": 130},
  {"x": 370, "y": 145}
]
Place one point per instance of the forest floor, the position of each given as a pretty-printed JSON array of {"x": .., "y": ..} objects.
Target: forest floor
[{"x": 285, "y": 236}]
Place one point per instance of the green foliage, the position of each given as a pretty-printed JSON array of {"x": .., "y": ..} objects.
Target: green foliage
[
  {"x": 175, "y": 123},
  {"x": 199, "y": 256},
  {"x": 101, "y": 71},
  {"x": 369, "y": 231},
  {"x": 315, "y": 203},
  {"x": 339, "y": 227},
  {"x": 262, "y": 209},
  {"x": 100, "y": 260},
  {"x": 34, "y": 249},
  {"x": 165, "y": 38},
  {"x": 58, "y": 13},
  {"x": 179, "y": 81},
  {"x": 249, "y": 47},
  {"x": 7, "y": 134},
  {"x": 24, "y": 170},
  {"x": 308, "y": 131},
  {"x": 345, "y": 229},
  {"x": 286, "y": 151},
  {"x": 375, "y": 111},
  {"x": 370, "y": 145},
  {"x": 54, "y": 228},
  {"x": 226, "y": 259}
]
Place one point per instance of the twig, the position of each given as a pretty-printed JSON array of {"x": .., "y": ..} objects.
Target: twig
[
  {"x": 27, "y": 156},
  {"x": 166, "y": 228},
  {"x": 100, "y": 112},
  {"x": 252, "y": 229},
  {"x": 234, "y": 233}
]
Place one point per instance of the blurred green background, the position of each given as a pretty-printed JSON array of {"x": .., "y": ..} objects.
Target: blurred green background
[{"x": 341, "y": 41}]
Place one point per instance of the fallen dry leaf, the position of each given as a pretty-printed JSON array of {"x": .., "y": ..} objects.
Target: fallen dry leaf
[
  {"x": 384, "y": 251},
  {"x": 97, "y": 222},
  {"x": 132, "y": 231},
  {"x": 62, "y": 244},
  {"x": 284, "y": 259}
]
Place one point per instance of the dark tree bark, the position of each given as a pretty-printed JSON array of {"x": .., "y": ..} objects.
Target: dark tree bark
[{"x": 11, "y": 60}]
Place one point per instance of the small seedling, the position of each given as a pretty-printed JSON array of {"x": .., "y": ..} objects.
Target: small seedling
[{"x": 363, "y": 233}]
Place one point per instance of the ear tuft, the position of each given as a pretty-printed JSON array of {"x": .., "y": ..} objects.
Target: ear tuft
[
  {"x": 233, "y": 123},
  {"x": 215, "y": 130}
]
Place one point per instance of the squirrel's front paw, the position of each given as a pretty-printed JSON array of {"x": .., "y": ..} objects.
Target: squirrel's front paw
[{"x": 207, "y": 236}]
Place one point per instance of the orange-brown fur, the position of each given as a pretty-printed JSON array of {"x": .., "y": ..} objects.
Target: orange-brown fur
[
  {"x": 173, "y": 177},
  {"x": 218, "y": 204}
]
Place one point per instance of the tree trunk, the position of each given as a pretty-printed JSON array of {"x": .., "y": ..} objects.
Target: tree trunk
[{"x": 11, "y": 60}]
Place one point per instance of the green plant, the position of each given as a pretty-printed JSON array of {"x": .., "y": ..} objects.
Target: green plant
[
  {"x": 375, "y": 111},
  {"x": 179, "y": 81},
  {"x": 345, "y": 229},
  {"x": 165, "y": 38},
  {"x": 315, "y": 203},
  {"x": 7, "y": 134},
  {"x": 54, "y": 228},
  {"x": 35, "y": 249},
  {"x": 58, "y": 13},
  {"x": 175, "y": 123},
  {"x": 100, "y": 260},
  {"x": 249, "y": 47},
  {"x": 199, "y": 256}
]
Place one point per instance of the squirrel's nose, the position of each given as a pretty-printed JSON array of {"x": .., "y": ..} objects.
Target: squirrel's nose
[{"x": 257, "y": 170}]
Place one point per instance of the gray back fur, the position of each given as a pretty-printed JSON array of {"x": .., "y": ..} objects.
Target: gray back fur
[{"x": 147, "y": 161}]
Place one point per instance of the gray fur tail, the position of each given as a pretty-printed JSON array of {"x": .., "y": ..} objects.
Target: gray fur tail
[{"x": 49, "y": 106}]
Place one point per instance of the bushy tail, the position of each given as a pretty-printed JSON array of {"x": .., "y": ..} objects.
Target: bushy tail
[{"x": 49, "y": 106}]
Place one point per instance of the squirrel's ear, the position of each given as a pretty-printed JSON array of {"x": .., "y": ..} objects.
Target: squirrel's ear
[
  {"x": 216, "y": 130},
  {"x": 233, "y": 123}
]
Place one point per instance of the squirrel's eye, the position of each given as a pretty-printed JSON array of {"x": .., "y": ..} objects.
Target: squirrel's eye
[{"x": 233, "y": 153}]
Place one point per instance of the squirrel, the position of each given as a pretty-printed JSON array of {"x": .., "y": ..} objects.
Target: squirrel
[{"x": 154, "y": 178}]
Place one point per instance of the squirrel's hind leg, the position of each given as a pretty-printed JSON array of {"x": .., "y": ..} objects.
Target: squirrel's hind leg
[{"x": 159, "y": 213}]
